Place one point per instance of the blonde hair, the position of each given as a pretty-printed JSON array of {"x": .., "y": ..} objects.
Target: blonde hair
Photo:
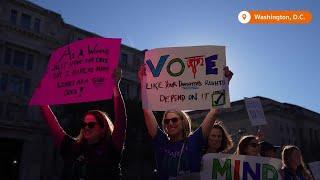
[
  {"x": 103, "y": 121},
  {"x": 243, "y": 144},
  {"x": 285, "y": 155},
  {"x": 186, "y": 121}
]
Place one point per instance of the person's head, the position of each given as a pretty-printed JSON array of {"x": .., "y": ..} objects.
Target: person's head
[
  {"x": 291, "y": 156},
  {"x": 219, "y": 139},
  {"x": 267, "y": 149},
  {"x": 95, "y": 126},
  {"x": 248, "y": 145},
  {"x": 292, "y": 159},
  {"x": 176, "y": 124}
]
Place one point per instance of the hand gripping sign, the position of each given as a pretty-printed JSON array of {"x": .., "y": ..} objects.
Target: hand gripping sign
[
  {"x": 185, "y": 78},
  {"x": 79, "y": 72}
]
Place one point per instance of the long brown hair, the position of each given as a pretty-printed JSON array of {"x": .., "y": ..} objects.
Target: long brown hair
[
  {"x": 226, "y": 142},
  {"x": 103, "y": 121},
  {"x": 286, "y": 154},
  {"x": 243, "y": 144},
  {"x": 186, "y": 121}
]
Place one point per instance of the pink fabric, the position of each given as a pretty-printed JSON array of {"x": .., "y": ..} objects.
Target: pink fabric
[{"x": 79, "y": 72}]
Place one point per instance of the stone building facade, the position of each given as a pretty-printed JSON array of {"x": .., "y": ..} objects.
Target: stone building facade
[
  {"x": 287, "y": 124},
  {"x": 28, "y": 34}
]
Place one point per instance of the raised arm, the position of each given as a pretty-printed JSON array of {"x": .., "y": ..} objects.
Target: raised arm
[
  {"x": 209, "y": 121},
  {"x": 120, "y": 115},
  {"x": 149, "y": 117},
  {"x": 55, "y": 129},
  {"x": 213, "y": 113},
  {"x": 120, "y": 123}
]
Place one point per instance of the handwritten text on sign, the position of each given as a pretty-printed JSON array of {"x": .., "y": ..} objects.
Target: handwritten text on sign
[
  {"x": 79, "y": 72},
  {"x": 185, "y": 78},
  {"x": 236, "y": 167},
  {"x": 255, "y": 111}
]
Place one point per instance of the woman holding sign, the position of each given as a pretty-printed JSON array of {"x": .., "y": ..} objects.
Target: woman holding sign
[
  {"x": 178, "y": 151},
  {"x": 293, "y": 165},
  {"x": 96, "y": 152}
]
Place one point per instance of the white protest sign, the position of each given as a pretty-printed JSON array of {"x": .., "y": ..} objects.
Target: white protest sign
[
  {"x": 315, "y": 168},
  {"x": 236, "y": 167},
  {"x": 255, "y": 111},
  {"x": 185, "y": 78}
]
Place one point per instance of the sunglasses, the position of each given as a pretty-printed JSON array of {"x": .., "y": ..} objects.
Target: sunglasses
[
  {"x": 173, "y": 120},
  {"x": 89, "y": 124},
  {"x": 254, "y": 145}
]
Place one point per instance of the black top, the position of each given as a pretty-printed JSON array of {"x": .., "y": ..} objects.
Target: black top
[{"x": 90, "y": 162}]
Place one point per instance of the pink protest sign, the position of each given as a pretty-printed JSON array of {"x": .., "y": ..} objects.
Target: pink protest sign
[{"x": 79, "y": 72}]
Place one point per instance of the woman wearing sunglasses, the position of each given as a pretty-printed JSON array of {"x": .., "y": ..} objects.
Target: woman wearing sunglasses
[
  {"x": 178, "y": 151},
  {"x": 248, "y": 145},
  {"x": 96, "y": 152}
]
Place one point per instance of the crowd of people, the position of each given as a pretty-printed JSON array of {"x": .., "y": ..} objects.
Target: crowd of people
[{"x": 96, "y": 152}]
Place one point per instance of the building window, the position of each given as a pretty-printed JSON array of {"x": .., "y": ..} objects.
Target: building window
[
  {"x": 7, "y": 56},
  {"x": 124, "y": 60},
  {"x": 26, "y": 89},
  {"x": 137, "y": 63},
  {"x": 19, "y": 58},
  {"x": 36, "y": 25},
  {"x": 13, "y": 16},
  {"x": 124, "y": 86},
  {"x": 128, "y": 90},
  {"x": 15, "y": 84},
  {"x": 25, "y": 21},
  {"x": 134, "y": 91},
  {"x": 3, "y": 82},
  {"x": 30, "y": 62},
  {"x": 15, "y": 111},
  {"x": 1, "y": 108},
  {"x": 310, "y": 135},
  {"x": 301, "y": 134},
  {"x": 11, "y": 110}
]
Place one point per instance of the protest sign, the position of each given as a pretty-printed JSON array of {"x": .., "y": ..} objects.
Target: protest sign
[
  {"x": 185, "y": 78},
  {"x": 79, "y": 72},
  {"x": 236, "y": 167},
  {"x": 255, "y": 111}
]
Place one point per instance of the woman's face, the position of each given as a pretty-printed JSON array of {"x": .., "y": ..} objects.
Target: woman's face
[
  {"x": 215, "y": 139},
  {"x": 253, "y": 148},
  {"x": 295, "y": 159},
  {"x": 173, "y": 125},
  {"x": 91, "y": 129}
]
